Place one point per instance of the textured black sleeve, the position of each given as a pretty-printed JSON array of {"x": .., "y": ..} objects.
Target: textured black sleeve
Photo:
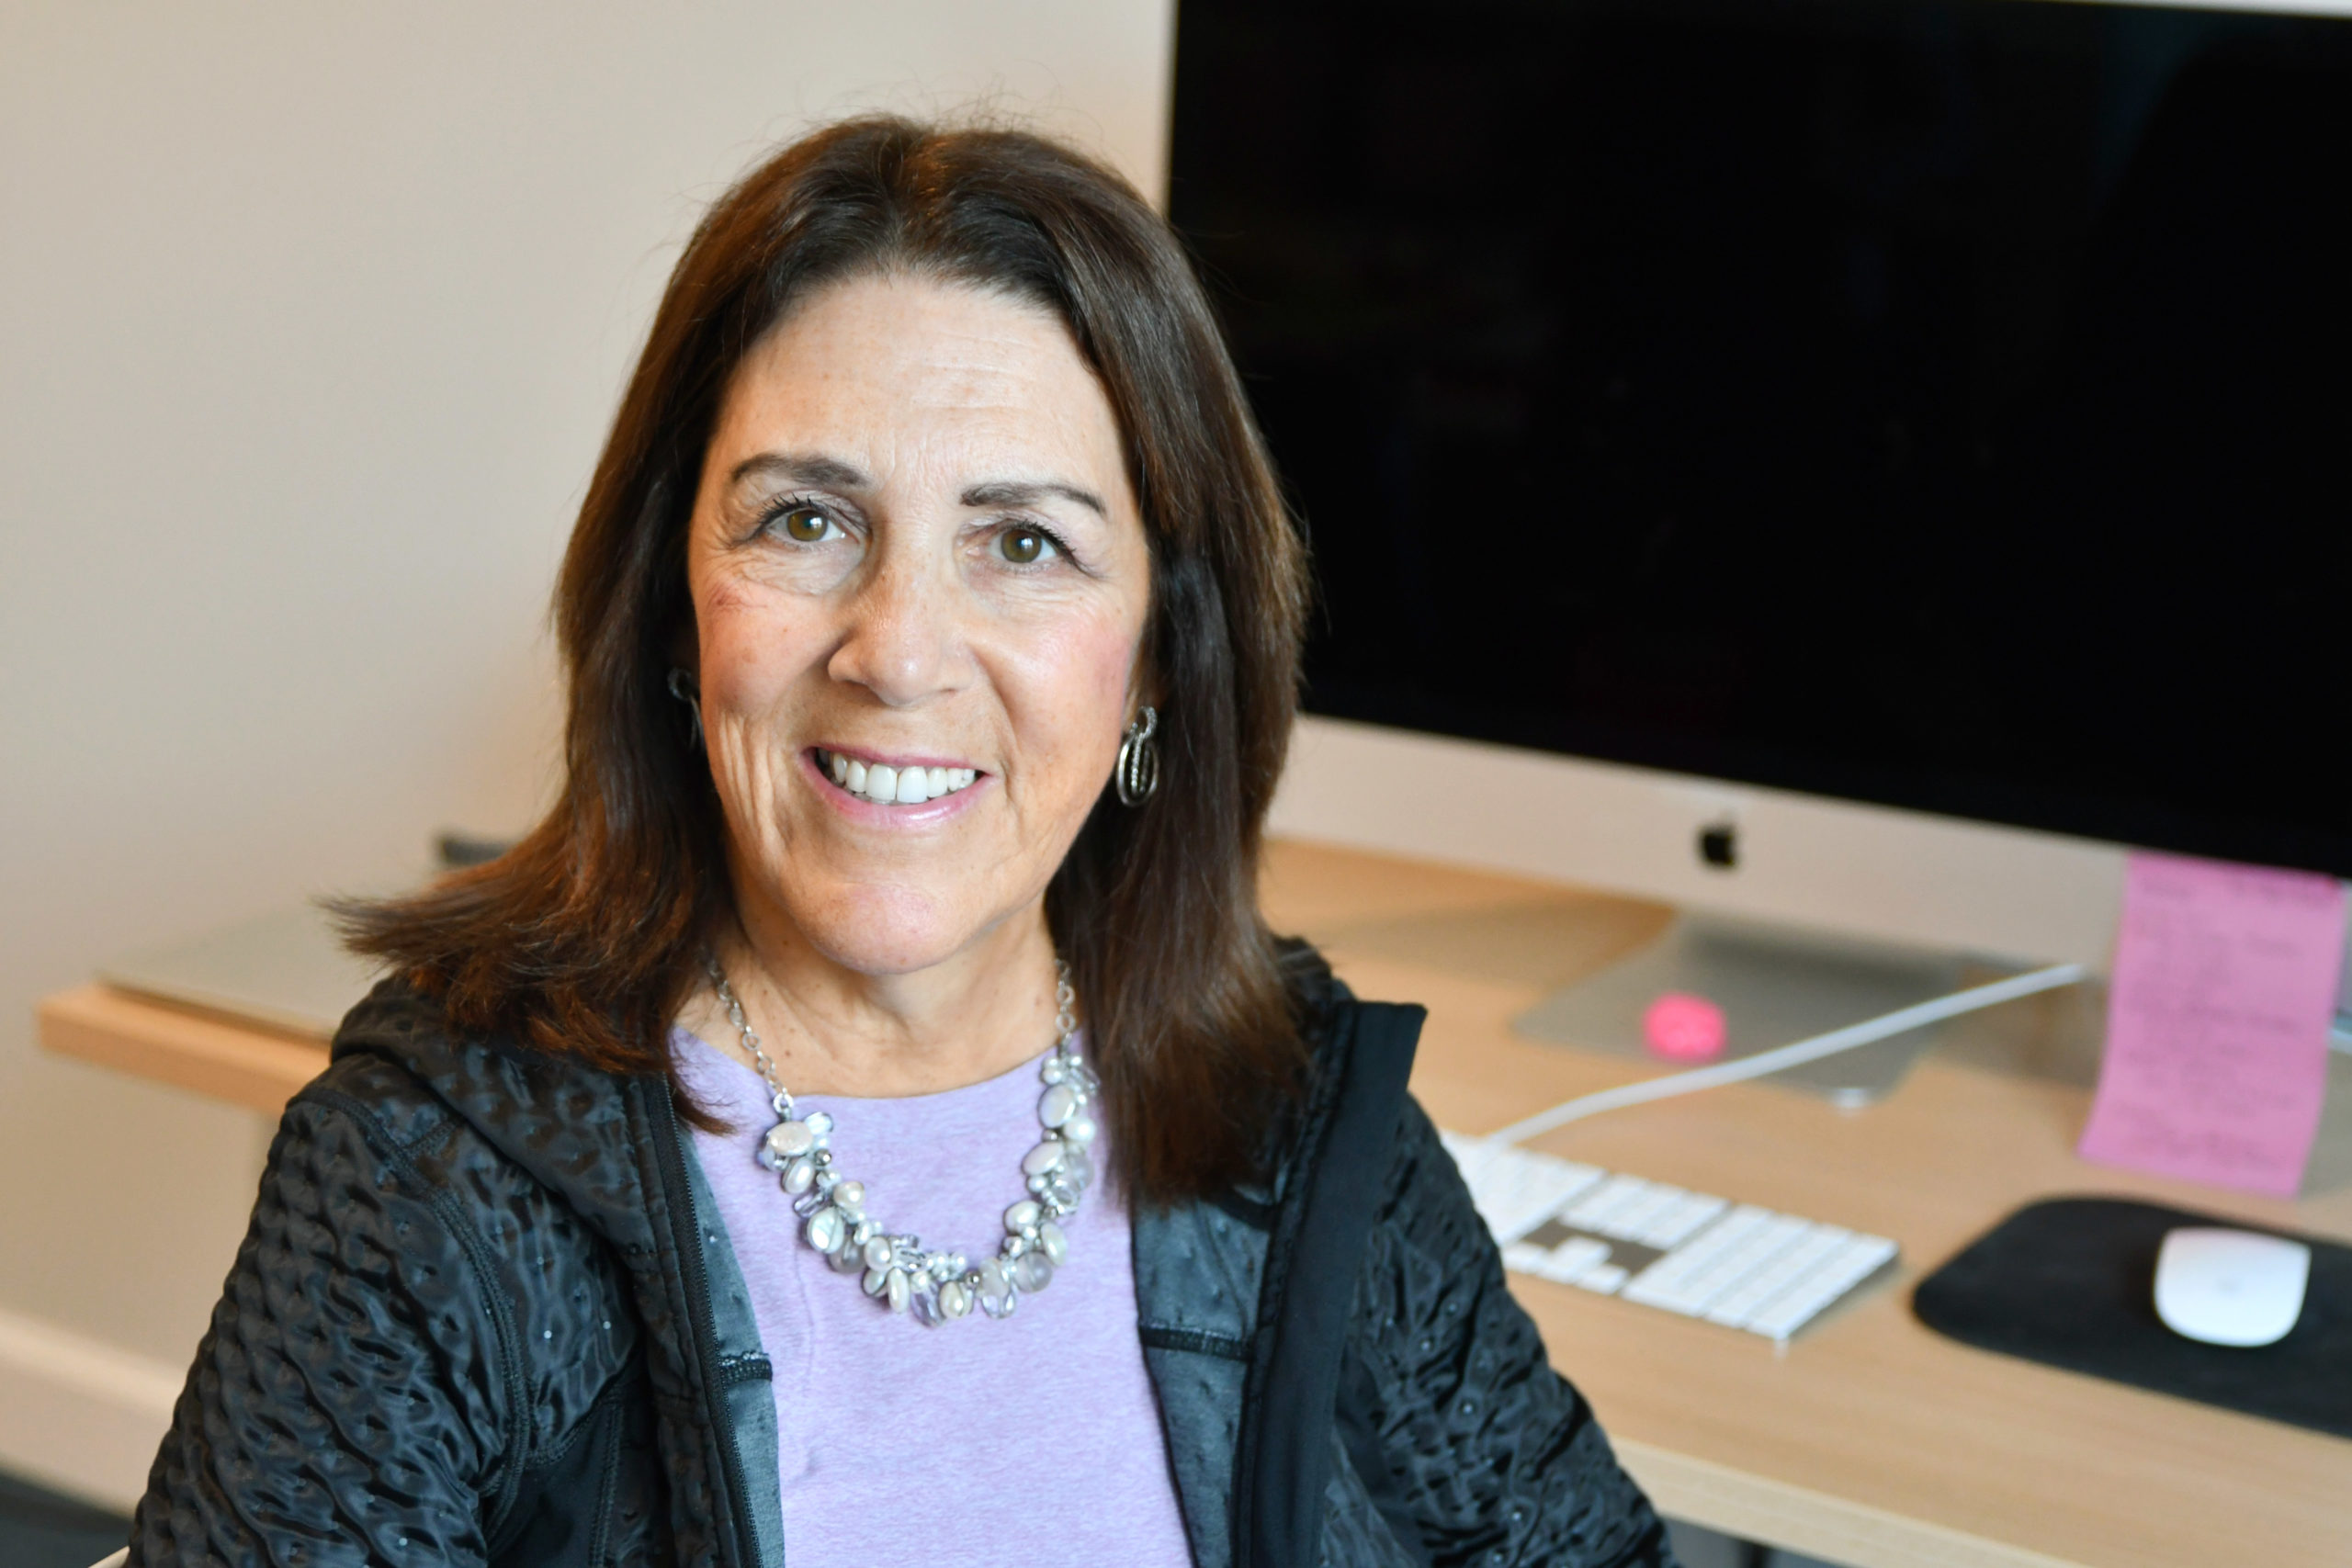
[
  {"x": 351, "y": 1402},
  {"x": 1490, "y": 1454}
]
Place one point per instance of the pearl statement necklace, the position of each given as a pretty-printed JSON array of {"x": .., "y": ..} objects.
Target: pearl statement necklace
[{"x": 900, "y": 1271}]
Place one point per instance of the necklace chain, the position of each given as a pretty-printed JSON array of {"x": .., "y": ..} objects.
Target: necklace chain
[{"x": 897, "y": 1269}]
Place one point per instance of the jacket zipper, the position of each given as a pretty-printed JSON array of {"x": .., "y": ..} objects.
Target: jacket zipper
[{"x": 669, "y": 1151}]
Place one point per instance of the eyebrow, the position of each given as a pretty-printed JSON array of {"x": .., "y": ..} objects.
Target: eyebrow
[
  {"x": 827, "y": 473},
  {"x": 1020, "y": 492}
]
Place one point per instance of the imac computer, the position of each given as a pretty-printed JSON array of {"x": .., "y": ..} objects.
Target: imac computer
[{"x": 1860, "y": 465}]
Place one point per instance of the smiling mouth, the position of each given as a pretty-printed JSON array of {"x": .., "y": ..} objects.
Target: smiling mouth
[{"x": 886, "y": 785}]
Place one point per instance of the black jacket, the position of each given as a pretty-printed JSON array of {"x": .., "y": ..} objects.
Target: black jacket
[{"x": 485, "y": 1313}]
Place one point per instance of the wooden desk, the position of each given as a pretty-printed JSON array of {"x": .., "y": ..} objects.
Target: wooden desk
[{"x": 1868, "y": 1440}]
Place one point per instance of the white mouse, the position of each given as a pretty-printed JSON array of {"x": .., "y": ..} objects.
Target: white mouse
[{"x": 2229, "y": 1287}]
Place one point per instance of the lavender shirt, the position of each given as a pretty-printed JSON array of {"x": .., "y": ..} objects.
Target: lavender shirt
[{"x": 1037, "y": 1437}]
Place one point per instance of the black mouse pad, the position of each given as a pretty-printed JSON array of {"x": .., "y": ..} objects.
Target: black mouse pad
[{"x": 2071, "y": 1282}]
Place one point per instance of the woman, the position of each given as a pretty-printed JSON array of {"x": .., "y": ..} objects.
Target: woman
[{"x": 868, "y": 1119}]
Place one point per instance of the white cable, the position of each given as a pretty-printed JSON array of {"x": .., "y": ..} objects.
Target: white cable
[{"x": 1868, "y": 1031}]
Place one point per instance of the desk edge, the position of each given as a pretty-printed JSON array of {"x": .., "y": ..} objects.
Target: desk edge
[
  {"x": 238, "y": 1063},
  {"x": 1796, "y": 1518}
]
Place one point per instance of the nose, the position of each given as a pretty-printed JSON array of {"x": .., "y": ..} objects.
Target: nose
[{"x": 904, "y": 640}]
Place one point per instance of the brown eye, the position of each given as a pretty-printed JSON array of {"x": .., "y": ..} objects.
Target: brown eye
[
  {"x": 805, "y": 524},
  {"x": 1020, "y": 546}
]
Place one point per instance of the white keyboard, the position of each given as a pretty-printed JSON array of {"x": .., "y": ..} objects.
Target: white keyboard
[{"x": 1683, "y": 1252}]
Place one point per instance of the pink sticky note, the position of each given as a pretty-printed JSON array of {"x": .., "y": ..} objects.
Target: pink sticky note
[{"x": 2217, "y": 1023}]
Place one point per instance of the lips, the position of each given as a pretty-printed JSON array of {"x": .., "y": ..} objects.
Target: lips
[{"x": 885, "y": 784}]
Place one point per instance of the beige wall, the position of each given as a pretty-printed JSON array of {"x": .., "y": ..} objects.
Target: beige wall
[{"x": 311, "y": 318}]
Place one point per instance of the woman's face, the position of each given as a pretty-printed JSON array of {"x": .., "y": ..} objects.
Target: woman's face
[{"x": 920, "y": 581}]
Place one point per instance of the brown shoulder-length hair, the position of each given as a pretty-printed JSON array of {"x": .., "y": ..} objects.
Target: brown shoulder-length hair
[{"x": 585, "y": 938}]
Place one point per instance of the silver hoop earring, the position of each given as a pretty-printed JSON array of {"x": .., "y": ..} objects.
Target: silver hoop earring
[
  {"x": 1137, "y": 773},
  {"x": 682, "y": 686}
]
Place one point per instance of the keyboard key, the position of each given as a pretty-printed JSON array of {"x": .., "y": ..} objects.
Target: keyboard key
[
  {"x": 1635, "y": 1217},
  {"x": 1571, "y": 1261},
  {"x": 1596, "y": 1209},
  {"x": 1603, "y": 1280},
  {"x": 1525, "y": 1257},
  {"x": 1677, "y": 1225}
]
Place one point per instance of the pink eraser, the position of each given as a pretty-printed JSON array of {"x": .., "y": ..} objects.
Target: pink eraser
[{"x": 1687, "y": 1027}]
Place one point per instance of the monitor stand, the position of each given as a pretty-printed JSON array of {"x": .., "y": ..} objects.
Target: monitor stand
[{"x": 1776, "y": 985}]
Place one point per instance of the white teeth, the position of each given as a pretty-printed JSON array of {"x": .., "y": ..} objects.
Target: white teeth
[{"x": 888, "y": 785}]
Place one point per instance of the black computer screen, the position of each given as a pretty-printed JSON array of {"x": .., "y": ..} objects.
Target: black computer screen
[{"x": 1940, "y": 404}]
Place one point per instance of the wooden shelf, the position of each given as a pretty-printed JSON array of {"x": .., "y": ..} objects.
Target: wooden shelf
[{"x": 210, "y": 1054}]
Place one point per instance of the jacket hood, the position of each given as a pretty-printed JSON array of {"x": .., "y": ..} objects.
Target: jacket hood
[{"x": 571, "y": 1127}]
